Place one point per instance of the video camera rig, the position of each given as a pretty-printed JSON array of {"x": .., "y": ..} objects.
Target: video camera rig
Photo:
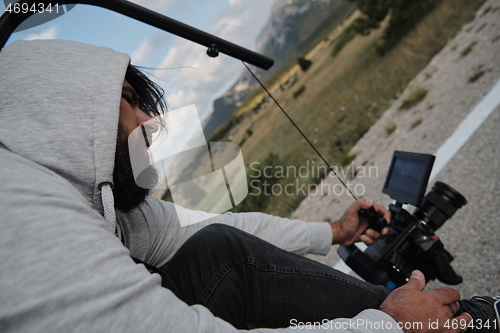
[{"x": 411, "y": 243}]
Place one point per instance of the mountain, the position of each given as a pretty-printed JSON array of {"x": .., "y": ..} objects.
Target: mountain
[{"x": 294, "y": 25}]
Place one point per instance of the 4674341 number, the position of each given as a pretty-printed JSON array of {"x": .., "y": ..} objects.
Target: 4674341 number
[{"x": 24, "y": 8}]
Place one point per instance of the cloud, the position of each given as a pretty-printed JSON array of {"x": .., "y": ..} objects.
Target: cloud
[
  {"x": 234, "y": 3},
  {"x": 49, "y": 33},
  {"x": 242, "y": 21},
  {"x": 184, "y": 82},
  {"x": 202, "y": 80},
  {"x": 141, "y": 51},
  {"x": 207, "y": 78},
  {"x": 150, "y": 46}
]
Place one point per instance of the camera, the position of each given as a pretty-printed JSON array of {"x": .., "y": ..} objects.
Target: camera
[{"x": 411, "y": 243}]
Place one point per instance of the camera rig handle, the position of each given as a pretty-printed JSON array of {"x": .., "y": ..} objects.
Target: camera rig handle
[
  {"x": 376, "y": 221},
  {"x": 439, "y": 259}
]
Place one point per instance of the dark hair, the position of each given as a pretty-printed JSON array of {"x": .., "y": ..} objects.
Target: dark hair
[{"x": 149, "y": 93}]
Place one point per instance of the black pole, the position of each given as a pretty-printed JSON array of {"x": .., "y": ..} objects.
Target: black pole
[{"x": 10, "y": 21}]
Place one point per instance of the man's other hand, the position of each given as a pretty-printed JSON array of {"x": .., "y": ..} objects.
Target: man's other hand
[
  {"x": 425, "y": 311},
  {"x": 350, "y": 227}
]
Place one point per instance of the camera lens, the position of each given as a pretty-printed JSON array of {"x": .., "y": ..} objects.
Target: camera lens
[{"x": 439, "y": 205}]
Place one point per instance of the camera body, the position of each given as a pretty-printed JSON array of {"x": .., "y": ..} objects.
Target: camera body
[{"x": 411, "y": 243}]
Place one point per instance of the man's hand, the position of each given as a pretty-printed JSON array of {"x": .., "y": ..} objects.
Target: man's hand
[
  {"x": 350, "y": 227},
  {"x": 433, "y": 309}
]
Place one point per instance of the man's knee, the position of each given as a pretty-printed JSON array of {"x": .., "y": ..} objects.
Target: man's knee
[
  {"x": 222, "y": 232},
  {"x": 218, "y": 228},
  {"x": 218, "y": 237}
]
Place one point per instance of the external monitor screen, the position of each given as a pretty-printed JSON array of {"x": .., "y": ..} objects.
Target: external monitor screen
[{"x": 408, "y": 176}]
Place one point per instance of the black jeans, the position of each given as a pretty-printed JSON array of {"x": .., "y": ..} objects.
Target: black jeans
[{"x": 251, "y": 283}]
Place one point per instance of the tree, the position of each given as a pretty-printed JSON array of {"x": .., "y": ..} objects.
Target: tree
[
  {"x": 304, "y": 63},
  {"x": 404, "y": 15}
]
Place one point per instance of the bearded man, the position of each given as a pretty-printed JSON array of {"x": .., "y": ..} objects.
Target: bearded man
[{"x": 72, "y": 219}]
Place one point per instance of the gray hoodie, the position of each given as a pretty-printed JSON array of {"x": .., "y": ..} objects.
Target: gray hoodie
[{"x": 61, "y": 269}]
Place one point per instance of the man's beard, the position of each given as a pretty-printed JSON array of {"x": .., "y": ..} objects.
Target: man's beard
[{"x": 126, "y": 193}]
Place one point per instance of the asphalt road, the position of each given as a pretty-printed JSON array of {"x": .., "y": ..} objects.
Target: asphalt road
[{"x": 472, "y": 235}]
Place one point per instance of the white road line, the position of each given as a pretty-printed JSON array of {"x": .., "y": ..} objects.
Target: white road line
[
  {"x": 454, "y": 142},
  {"x": 465, "y": 130}
]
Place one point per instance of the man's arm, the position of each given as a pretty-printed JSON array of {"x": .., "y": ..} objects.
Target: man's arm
[
  {"x": 352, "y": 228},
  {"x": 154, "y": 234}
]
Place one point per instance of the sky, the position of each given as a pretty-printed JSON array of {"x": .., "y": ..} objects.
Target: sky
[{"x": 181, "y": 67}]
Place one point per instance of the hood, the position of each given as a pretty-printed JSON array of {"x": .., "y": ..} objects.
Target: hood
[{"x": 59, "y": 107}]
